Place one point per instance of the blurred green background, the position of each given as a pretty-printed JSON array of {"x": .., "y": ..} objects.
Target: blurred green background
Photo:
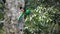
[{"x": 45, "y": 17}]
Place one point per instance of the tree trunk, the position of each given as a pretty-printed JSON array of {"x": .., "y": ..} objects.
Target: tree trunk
[{"x": 11, "y": 13}]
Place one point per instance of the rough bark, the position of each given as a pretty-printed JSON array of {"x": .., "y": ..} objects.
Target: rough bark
[{"x": 11, "y": 14}]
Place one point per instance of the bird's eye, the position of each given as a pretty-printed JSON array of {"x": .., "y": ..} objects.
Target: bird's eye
[{"x": 20, "y": 7}]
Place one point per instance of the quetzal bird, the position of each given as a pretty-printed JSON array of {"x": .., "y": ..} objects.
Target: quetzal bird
[{"x": 27, "y": 11}]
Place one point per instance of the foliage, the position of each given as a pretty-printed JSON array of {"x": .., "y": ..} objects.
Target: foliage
[
  {"x": 1, "y": 9},
  {"x": 1, "y": 16},
  {"x": 40, "y": 21},
  {"x": 45, "y": 18}
]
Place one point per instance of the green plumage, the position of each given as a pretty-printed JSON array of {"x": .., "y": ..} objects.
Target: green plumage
[
  {"x": 27, "y": 11},
  {"x": 22, "y": 13},
  {"x": 19, "y": 17}
]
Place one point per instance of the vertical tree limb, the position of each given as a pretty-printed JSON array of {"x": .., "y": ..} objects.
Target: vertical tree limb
[{"x": 11, "y": 14}]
